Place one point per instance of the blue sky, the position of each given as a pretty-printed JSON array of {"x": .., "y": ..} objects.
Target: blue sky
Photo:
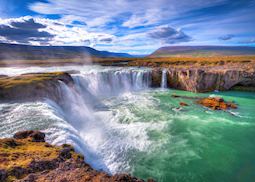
[{"x": 132, "y": 26}]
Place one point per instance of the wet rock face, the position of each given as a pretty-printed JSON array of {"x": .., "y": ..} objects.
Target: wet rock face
[
  {"x": 216, "y": 103},
  {"x": 156, "y": 76},
  {"x": 26, "y": 157}
]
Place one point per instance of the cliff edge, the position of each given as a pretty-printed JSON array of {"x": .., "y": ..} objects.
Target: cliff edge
[
  {"x": 27, "y": 157},
  {"x": 34, "y": 86}
]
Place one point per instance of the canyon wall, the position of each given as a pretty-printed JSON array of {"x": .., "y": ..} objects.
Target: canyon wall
[{"x": 205, "y": 80}]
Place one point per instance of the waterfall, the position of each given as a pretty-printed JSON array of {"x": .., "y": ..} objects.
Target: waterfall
[
  {"x": 164, "y": 79},
  {"x": 91, "y": 127},
  {"x": 113, "y": 82},
  {"x": 91, "y": 116}
]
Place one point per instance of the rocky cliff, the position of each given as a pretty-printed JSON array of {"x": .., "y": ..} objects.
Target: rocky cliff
[
  {"x": 27, "y": 157},
  {"x": 206, "y": 79},
  {"x": 33, "y": 87}
]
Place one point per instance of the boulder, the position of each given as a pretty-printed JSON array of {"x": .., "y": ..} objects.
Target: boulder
[
  {"x": 36, "y": 136},
  {"x": 183, "y": 104}
]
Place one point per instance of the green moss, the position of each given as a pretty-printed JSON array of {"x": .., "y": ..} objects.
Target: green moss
[
  {"x": 27, "y": 79},
  {"x": 21, "y": 152}
]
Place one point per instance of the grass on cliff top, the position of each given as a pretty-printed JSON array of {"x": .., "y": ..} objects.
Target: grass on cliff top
[
  {"x": 9, "y": 82},
  {"x": 25, "y": 150},
  {"x": 146, "y": 61},
  {"x": 195, "y": 61},
  {"x": 24, "y": 153}
]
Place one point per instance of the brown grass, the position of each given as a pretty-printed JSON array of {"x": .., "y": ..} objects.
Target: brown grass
[
  {"x": 147, "y": 61},
  {"x": 9, "y": 82}
]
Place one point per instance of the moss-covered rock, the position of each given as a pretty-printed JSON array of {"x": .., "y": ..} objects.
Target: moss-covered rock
[
  {"x": 34, "y": 86},
  {"x": 23, "y": 159}
]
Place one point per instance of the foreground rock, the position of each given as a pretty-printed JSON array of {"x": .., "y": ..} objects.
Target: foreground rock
[
  {"x": 26, "y": 157},
  {"x": 216, "y": 103},
  {"x": 34, "y": 86}
]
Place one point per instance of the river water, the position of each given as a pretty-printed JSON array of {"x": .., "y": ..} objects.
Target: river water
[{"x": 120, "y": 124}]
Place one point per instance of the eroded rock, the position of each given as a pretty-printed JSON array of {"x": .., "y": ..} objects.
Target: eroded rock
[
  {"x": 206, "y": 80},
  {"x": 216, "y": 103}
]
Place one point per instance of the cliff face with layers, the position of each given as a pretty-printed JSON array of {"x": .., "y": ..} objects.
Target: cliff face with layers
[
  {"x": 205, "y": 80},
  {"x": 199, "y": 80}
]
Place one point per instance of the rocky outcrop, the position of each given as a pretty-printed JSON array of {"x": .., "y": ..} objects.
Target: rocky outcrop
[
  {"x": 34, "y": 86},
  {"x": 156, "y": 76},
  {"x": 216, "y": 103},
  {"x": 25, "y": 158},
  {"x": 183, "y": 104},
  {"x": 205, "y": 79}
]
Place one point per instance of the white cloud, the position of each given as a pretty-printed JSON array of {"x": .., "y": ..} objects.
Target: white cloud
[
  {"x": 60, "y": 34},
  {"x": 151, "y": 16},
  {"x": 98, "y": 13}
]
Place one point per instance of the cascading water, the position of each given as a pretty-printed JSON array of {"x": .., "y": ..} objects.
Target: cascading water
[
  {"x": 92, "y": 127},
  {"x": 164, "y": 79},
  {"x": 120, "y": 125},
  {"x": 113, "y": 82}
]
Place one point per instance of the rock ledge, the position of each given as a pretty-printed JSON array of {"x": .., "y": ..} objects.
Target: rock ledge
[{"x": 26, "y": 157}]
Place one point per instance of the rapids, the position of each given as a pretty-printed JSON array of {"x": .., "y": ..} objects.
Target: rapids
[{"x": 120, "y": 124}]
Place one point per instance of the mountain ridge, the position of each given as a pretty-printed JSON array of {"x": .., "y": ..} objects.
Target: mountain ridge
[
  {"x": 203, "y": 51},
  {"x": 29, "y": 52}
]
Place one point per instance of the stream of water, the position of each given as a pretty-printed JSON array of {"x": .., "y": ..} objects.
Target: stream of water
[{"x": 121, "y": 125}]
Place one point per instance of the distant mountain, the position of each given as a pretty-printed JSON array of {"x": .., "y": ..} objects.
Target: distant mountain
[
  {"x": 17, "y": 51},
  {"x": 203, "y": 51}
]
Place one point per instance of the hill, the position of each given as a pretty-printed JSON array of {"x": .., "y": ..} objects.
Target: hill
[
  {"x": 27, "y": 52},
  {"x": 199, "y": 51}
]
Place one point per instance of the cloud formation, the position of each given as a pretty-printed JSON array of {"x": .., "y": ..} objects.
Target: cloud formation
[
  {"x": 226, "y": 37},
  {"x": 24, "y": 31},
  {"x": 42, "y": 31},
  {"x": 133, "y": 25},
  {"x": 169, "y": 35}
]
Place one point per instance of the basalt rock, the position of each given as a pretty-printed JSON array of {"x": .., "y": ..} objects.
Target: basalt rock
[{"x": 34, "y": 161}]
